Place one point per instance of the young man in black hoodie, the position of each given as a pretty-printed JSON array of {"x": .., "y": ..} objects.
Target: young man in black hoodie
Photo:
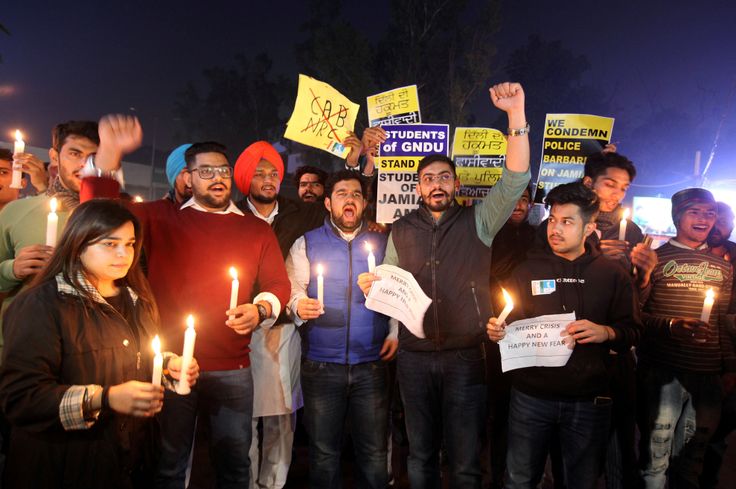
[{"x": 572, "y": 401}]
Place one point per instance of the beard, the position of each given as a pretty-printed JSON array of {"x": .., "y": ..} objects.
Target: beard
[
  {"x": 211, "y": 201},
  {"x": 438, "y": 207},
  {"x": 262, "y": 199}
]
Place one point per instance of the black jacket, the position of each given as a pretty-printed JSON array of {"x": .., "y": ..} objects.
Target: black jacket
[
  {"x": 51, "y": 343},
  {"x": 596, "y": 289},
  {"x": 451, "y": 264}
]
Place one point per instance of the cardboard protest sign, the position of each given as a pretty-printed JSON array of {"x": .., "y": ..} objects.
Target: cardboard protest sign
[
  {"x": 568, "y": 140},
  {"x": 322, "y": 117},
  {"x": 479, "y": 155},
  {"x": 397, "y": 163},
  {"x": 397, "y": 106}
]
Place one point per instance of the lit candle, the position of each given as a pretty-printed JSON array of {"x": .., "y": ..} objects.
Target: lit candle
[
  {"x": 707, "y": 306},
  {"x": 320, "y": 285},
  {"x": 622, "y": 226},
  {"x": 371, "y": 258},
  {"x": 508, "y": 308},
  {"x": 158, "y": 361},
  {"x": 186, "y": 357},
  {"x": 20, "y": 147},
  {"x": 137, "y": 199},
  {"x": 52, "y": 224},
  {"x": 234, "y": 290}
]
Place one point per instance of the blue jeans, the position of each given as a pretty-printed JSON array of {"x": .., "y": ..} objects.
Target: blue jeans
[
  {"x": 582, "y": 430},
  {"x": 444, "y": 395},
  {"x": 359, "y": 393},
  {"x": 224, "y": 400},
  {"x": 680, "y": 412}
]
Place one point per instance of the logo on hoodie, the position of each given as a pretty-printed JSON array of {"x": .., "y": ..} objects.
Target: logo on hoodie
[
  {"x": 543, "y": 287},
  {"x": 692, "y": 272}
]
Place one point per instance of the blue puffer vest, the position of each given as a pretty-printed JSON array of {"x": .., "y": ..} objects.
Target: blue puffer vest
[{"x": 347, "y": 333}]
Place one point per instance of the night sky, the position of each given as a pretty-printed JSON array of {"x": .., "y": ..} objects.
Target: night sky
[{"x": 82, "y": 59}]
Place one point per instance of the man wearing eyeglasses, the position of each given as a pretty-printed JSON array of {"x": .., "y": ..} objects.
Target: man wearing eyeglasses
[
  {"x": 189, "y": 251},
  {"x": 447, "y": 249}
]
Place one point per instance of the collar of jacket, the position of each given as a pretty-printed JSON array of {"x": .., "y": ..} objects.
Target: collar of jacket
[
  {"x": 446, "y": 216},
  {"x": 65, "y": 287}
]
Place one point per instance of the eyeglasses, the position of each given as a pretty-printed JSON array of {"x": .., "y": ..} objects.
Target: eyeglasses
[
  {"x": 441, "y": 178},
  {"x": 208, "y": 172},
  {"x": 274, "y": 175}
]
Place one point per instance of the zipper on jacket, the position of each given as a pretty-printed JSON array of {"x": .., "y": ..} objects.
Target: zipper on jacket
[
  {"x": 477, "y": 307},
  {"x": 433, "y": 266},
  {"x": 350, "y": 300}
]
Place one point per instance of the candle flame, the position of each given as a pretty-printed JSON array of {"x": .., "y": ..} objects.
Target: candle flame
[
  {"x": 233, "y": 273},
  {"x": 507, "y": 297},
  {"x": 320, "y": 270},
  {"x": 52, "y": 205},
  {"x": 190, "y": 321},
  {"x": 368, "y": 247},
  {"x": 137, "y": 198},
  {"x": 625, "y": 214},
  {"x": 710, "y": 294},
  {"x": 18, "y": 135},
  {"x": 156, "y": 345}
]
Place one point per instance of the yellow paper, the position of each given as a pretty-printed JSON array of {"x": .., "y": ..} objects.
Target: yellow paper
[
  {"x": 322, "y": 117},
  {"x": 397, "y": 106},
  {"x": 479, "y": 154}
]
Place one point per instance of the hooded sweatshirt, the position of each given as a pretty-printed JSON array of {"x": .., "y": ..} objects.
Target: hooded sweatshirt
[{"x": 596, "y": 289}]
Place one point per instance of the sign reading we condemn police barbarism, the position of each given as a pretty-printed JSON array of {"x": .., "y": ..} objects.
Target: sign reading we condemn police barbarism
[
  {"x": 322, "y": 117},
  {"x": 479, "y": 154},
  {"x": 568, "y": 141},
  {"x": 397, "y": 106},
  {"x": 397, "y": 163}
]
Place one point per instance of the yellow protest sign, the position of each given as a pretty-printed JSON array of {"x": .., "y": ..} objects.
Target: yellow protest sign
[
  {"x": 322, "y": 117},
  {"x": 479, "y": 154},
  {"x": 397, "y": 106}
]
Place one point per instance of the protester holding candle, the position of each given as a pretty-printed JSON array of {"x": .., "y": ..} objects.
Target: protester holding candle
[
  {"x": 682, "y": 358},
  {"x": 568, "y": 275},
  {"x": 346, "y": 346},
  {"x": 76, "y": 377}
]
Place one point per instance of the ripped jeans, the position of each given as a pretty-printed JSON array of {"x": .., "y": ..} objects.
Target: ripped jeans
[{"x": 678, "y": 414}]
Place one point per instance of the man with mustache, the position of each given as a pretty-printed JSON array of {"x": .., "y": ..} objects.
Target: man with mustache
[
  {"x": 176, "y": 169},
  {"x": 685, "y": 362},
  {"x": 345, "y": 345},
  {"x": 447, "y": 249},
  {"x": 310, "y": 183},
  {"x": 189, "y": 251},
  {"x": 275, "y": 351}
]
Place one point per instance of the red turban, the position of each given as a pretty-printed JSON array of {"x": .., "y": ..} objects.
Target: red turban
[{"x": 248, "y": 160}]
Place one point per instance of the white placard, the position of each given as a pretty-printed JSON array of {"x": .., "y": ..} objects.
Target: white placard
[
  {"x": 398, "y": 295},
  {"x": 536, "y": 342}
]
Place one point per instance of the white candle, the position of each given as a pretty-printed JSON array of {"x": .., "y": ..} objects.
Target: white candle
[
  {"x": 20, "y": 147},
  {"x": 52, "y": 224},
  {"x": 320, "y": 285},
  {"x": 508, "y": 308},
  {"x": 371, "y": 258},
  {"x": 234, "y": 290},
  {"x": 186, "y": 357},
  {"x": 158, "y": 361},
  {"x": 707, "y": 306},
  {"x": 622, "y": 226}
]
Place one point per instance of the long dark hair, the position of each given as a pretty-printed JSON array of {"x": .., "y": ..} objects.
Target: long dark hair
[{"x": 89, "y": 223}]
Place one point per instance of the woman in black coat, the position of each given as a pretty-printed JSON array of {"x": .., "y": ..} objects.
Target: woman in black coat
[{"x": 75, "y": 382}]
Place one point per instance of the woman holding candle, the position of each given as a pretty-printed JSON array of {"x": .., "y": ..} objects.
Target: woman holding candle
[{"x": 75, "y": 379}]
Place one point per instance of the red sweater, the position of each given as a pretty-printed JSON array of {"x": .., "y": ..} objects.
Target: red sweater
[{"x": 189, "y": 254}]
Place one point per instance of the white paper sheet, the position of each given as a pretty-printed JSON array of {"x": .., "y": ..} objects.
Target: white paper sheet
[
  {"x": 399, "y": 296},
  {"x": 536, "y": 342}
]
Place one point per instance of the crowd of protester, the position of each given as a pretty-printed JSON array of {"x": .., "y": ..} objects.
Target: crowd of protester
[{"x": 646, "y": 398}]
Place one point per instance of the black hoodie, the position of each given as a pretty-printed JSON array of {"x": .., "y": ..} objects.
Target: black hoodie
[{"x": 596, "y": 289}]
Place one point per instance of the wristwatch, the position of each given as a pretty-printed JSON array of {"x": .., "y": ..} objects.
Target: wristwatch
[{"x": 262, "y": 313}]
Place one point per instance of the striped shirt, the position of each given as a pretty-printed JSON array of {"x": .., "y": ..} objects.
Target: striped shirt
[{"x": 678, "y": 287}]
